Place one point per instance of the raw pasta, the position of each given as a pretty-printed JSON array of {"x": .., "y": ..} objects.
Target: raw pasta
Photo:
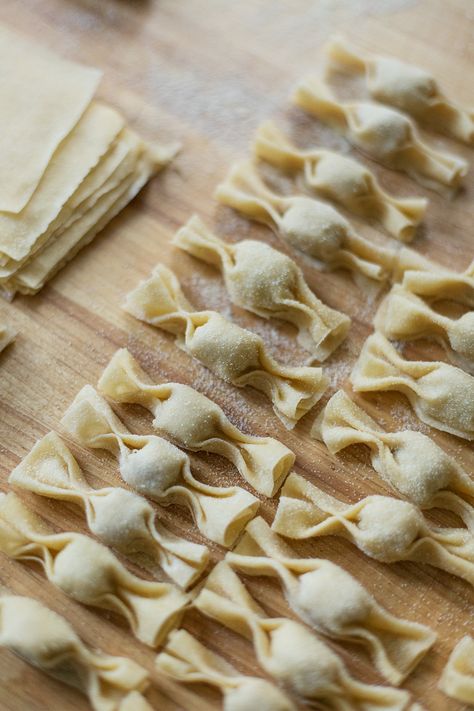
[
  {"x": 42, "y": 91},
  {"x": 112, "y": 168},
  {"x": 384, "y": 134},
  {"x": 403, "y": 316},
  {"x": 89, "y": 573},
  {"x": 441, "y": 395},
  {"x": 405, "y": 86},
  {"x": 289, "y": 651},
  {"x": 334, "y": 603},
  {"x": 32, "y": 277},
  {"x": 187, "y": 660},
  {"x": 432, "y": 281},
  {"x": 236, "y": 355},
  {"x": 47, "y": 641},
  {"x": 343, "y": 180},
  {"x": 195, "y": 422},
  {"x": 270, "y": 284},
  {"x": 117, "y": 517},
  {"x": 384, "y": 528},
  {"x": 73, "y": 161},
  {"x": 408, "y": 460},
  {"x": 70, "y": 163},
  {"x": 309, "y": 225},
  {"x": 158, "y": 469},
  {"x": 457, "y": 680}
]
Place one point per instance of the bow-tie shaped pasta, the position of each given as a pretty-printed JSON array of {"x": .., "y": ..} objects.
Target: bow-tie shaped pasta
[
  {"x": 432, "y": 281},
  {"x": 405, "y": 86},
  {"x": 289, "y": 651},
  {"x": 89, "y": 573},
  {"x": 441, "y": 395},
  {"x": 187, "y": 660},
  {"x": 327, "y": 598},
  {"x": 403, "y": 316},
  {"x": 384, "y": 528},
  {"x": 457, "y": 680},
  {"x": 384, "y": 134},
  {"x": 47, "y": 641},
  {"x": 234, "y": 354},
  {"x": 159, "y": 470},
  {"x": 118, "y": 517},
  {"x": 195, "y": 422},
  {"x": 309, "y": 225},
  {"x": 268, "y": 283},
  {"x": 410, "y": 461},
  {"x": 343, "y": 180}
]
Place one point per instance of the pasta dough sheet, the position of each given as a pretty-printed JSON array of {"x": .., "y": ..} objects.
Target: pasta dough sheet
[
  {"x": 83, "y": 198},
  {"x": 34, "y": 275},
  {"x": 105, "y": 177},
  {"x": 42, "y": 97},
  {"x": 71, "y": 163}
]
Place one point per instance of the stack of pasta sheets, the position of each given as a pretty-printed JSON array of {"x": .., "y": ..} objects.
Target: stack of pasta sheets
[{"x": 69, "y": 163}]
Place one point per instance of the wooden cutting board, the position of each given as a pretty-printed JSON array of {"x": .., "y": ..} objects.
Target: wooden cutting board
[{"x": 207, "y": 73}]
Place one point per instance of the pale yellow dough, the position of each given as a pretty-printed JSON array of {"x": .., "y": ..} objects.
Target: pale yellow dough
[
  {"x": 384, "y": 134},
  {"x": 42, "y": 97},
  {"x": 457, "y": 680},
  {"x": 441, "y": 395},
  {"x": 47, "y": 641},
  {"x": 89, "y": 573},
  {"x": 195, "y": 422},
  {"x": 334, "y": 603},
  {"x": 117, "y": 517},
  {"x": 32, "y": 277},
  {"x": 309, "y": 225},
  {"x": 289, "y": 651},
  {"x": 117, "y": 163},
  {"x": 404, "y": 316},
  {"x": 72, "y": 162},
  {"x": 343, "y": 180},
  {"x": 409, "y": 88},
  {"x": 408, "y": 460},
  {"x": 432, "y": 281},
  {"x": 159, "y": 470},
  {"x": 270, "y": 284},
  {"x": 187, "y": 660},
  {"x": 235, "y": 354},
  {"x": 384, "y": 528}
]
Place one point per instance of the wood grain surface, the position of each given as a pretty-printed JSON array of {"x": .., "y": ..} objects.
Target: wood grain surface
[{"x": 208, "y": 72}]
